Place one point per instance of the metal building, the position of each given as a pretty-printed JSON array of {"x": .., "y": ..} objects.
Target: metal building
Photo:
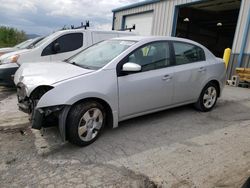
[{"x": 217, "y": 24}]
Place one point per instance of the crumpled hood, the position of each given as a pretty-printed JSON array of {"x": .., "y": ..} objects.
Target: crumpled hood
[
  {"x": 14, "y": 53},
  {"x": 47, "y": 73}
]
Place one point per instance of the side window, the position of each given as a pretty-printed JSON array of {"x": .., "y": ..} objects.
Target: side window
[
  {"x": 67, "y": 43},
  {"x": 187, "y": 53},
  {"x": 153, "y": 56}
]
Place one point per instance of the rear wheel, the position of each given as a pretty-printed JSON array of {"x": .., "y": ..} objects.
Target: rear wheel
[
  {"x": 85, "y": 122},
  {"x": 208, "y": 98}
]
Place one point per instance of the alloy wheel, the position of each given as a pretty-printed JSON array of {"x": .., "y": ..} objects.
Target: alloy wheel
[
  {"x": 90, "y": 124},
  {"x": 209, "y": 97}
]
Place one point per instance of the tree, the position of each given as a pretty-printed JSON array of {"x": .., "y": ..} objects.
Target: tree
[{"x": 11, "y": 36}]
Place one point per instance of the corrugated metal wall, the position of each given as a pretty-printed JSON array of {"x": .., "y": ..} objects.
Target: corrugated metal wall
[
  {"x": 164, "y": 15},
  {"x": 242, "y": 21}
]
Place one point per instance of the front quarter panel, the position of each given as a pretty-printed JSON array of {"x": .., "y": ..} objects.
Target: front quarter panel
[{"x": 99, "y": 84}]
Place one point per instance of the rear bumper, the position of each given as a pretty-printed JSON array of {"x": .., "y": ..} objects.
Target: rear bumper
[{"x": 7, "y": 72}]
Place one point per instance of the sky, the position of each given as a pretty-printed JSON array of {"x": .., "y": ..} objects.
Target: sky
[{"x": 43, "y": 17}]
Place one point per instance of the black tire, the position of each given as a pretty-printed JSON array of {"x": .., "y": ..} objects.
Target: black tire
[
  {"x": 75, "y": 117},
  {"x": 199, "y": 105}
]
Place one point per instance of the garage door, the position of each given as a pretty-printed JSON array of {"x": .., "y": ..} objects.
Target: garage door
[{"x": 142, "y": 22}]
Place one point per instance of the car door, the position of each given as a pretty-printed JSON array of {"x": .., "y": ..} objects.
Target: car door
[
  {"x": 190, "y": 71},
  {"x": 67, "y": 45},
  {"x": 152, "y": 87}
]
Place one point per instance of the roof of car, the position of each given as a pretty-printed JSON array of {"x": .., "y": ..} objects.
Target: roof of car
[
  {"x": 93, "y": 30},
  {"x": 144, "y": 38},
  {"x": 155, "y": 38}
]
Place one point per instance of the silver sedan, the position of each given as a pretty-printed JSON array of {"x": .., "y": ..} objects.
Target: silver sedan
[{"x": 116, "y": 80}]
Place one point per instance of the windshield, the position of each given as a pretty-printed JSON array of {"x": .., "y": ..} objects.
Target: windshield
[
  {"x": 45, "y": 39},
  {"x": 100, "y": 54},
  {"x": 28, "y": 43},
  {"x": 33, "y": 42},
  {"x": 20, "y": 45}
]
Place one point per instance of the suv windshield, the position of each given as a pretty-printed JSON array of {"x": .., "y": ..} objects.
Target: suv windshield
[
  {"x": 20, "y": 45},
  {"x": 47, "y": 38},
  {"x": 28, "y": 43},
  {"x": 100, "y": 54}
]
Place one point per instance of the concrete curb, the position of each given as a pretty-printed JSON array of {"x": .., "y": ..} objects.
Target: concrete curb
[
  {"x": 11, "y": 117},
  {"x": 13, "y": 127},
  {"x": 14, "y": 122}
]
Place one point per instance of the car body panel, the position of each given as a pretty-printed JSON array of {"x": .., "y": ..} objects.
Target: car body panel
[
  {"x": 6, "y": 50},
  {"x": 137, "y": 92},
  {"x": 6, "y": 72},
  {"x": 47, "y": 73},
  {"x": 189, "y": 78},
  {"x": 89, "y": 88}
]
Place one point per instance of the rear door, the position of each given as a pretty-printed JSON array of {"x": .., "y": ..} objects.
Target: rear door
[
  {"x": 69, "y": 43},
  {"x": 150, "y": 89},
  {"x": 190, "y": 72}
]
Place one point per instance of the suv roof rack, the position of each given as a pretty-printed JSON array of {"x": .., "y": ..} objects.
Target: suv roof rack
[{"x": 81, "y": 26}]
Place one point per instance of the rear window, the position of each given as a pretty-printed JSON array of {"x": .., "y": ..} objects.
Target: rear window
[{"x": 187, "y": 53}]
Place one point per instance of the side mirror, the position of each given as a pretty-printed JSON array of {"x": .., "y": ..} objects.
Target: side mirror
[
  {"x": 131, "y": 67},
  {"x": 56, "y": 47}
]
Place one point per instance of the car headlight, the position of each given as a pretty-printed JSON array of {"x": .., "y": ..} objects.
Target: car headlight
[{"x": 10, "y": 59}]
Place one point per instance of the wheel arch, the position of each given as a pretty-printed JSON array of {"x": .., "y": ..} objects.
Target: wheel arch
[
  {"x": 217, "y": 83},
  {"x": 36, "y": 91},
  {"x": 104, "y": 103}
]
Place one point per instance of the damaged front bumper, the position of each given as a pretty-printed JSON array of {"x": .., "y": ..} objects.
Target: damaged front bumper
[
  {"x": 24, "y": 103},
  {"x": 44, "y": 116}
]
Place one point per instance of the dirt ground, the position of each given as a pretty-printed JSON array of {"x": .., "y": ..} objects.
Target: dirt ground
[{"x": 176, "y": 148}]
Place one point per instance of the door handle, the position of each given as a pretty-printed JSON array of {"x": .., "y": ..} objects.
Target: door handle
[
  {"x": 202, "y": 69},
  {"x": 167, "y": 77}
]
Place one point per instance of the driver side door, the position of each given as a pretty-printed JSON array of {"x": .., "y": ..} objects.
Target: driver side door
[{"x": 152, "y": 87}]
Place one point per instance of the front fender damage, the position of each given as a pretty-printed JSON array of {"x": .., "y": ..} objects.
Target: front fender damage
[{"x": 43, "y": 116}]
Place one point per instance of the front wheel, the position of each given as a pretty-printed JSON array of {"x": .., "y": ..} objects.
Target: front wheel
[
  {"x": 85, "y": 122},
  {"x": 208, "y": 98}
]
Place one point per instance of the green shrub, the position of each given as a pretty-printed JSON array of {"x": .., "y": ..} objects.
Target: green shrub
[{"x": 11, "y": 36}]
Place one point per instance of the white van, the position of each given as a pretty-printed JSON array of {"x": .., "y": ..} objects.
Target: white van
[{"x": 55, "y": 47}]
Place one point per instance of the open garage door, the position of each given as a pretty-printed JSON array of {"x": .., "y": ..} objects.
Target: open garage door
[
  {"x": 142, "y": 22},
  {"x": 211, "y": 23}
]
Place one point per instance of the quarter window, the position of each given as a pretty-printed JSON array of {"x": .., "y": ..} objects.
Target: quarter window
[
  {"x": 187, "y": 53},
  {"x": 67, "y": 43},
  {"x": 153, "y": 56}
]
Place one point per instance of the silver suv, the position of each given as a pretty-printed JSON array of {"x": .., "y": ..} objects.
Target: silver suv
[{"x": 116, "y": 80}]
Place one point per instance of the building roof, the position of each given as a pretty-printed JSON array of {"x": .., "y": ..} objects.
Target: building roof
[{"x": 134, "y": 5}]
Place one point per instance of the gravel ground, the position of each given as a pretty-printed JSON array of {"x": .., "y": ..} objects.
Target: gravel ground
[{"x": 174, "y": 148}]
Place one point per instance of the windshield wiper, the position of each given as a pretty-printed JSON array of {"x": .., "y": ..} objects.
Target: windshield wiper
[
  {"x": 74, "y": 63},
  {"x": 85, "y": 67}
]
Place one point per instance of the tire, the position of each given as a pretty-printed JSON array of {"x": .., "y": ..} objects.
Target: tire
[
  {"x": 85, "y": 122},
  {"x": 208, "y": 98}
]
